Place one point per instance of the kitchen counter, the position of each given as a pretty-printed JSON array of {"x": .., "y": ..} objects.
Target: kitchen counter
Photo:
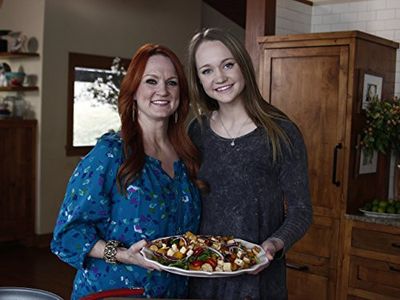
[{"x": 376, "y": 220}]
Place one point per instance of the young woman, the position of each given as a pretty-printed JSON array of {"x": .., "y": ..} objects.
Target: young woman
[
  {"x": 135, "y": 185},
  {"x": 254, "y": 161}
]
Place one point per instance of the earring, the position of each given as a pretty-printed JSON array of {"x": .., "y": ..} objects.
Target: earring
[{"x": 176, "y": 117}]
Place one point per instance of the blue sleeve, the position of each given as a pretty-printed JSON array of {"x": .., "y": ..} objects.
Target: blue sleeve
[{"x": 86, "y": 207}]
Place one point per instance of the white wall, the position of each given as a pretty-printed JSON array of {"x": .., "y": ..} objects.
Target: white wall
[{"x": 292, "y": 17}]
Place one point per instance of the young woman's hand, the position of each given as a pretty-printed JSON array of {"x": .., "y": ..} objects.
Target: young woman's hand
[
  {"x": 271, "y": 247},
  {"x": 132, "y": 256}
]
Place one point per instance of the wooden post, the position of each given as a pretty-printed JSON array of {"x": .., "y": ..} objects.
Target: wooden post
[{"x": 260, "y": 21}]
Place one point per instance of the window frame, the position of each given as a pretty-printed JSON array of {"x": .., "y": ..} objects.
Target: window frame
[{"x": 85, "y": 61}]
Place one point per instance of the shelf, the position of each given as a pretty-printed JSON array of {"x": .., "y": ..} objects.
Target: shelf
[
  {"x": 17, "y": 54},
  {"x": 18, "y": 88},
  {"x": 16, "y": 122}
]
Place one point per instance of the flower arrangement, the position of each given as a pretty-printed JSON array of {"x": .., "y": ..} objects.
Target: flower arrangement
[
  {"x": 106, "y": 91},
  {"x": 382, "y": 130}
]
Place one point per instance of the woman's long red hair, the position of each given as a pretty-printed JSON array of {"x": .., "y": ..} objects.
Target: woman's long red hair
[{"x": 131, "y": 132}]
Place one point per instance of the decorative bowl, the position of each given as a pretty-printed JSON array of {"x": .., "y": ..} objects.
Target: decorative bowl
[{"x": 15, "y": 78}]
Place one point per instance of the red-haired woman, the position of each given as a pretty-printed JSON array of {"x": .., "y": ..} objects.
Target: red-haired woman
[{"x": 135, "y": 185}]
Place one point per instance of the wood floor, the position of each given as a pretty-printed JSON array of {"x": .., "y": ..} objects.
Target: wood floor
[{"x": 35, "y": 268}]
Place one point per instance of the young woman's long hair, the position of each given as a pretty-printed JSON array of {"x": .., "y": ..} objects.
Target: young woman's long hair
[
  {"x": 260, "y": 111},
  {"x": 131, "y": 132}
]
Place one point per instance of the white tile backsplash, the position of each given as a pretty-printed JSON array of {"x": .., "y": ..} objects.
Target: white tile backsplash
[
  {"x": 385, "y": 14},
  {"x": 367, "y": 16},
  {"x": 392, "y": 3},
  {"x": 376, "y": 5}
]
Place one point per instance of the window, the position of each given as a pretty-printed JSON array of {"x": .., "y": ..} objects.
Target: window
[{"x": 93, "y": 88}]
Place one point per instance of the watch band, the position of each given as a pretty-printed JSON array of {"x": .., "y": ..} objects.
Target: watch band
[{"x": 110, "y": 251}]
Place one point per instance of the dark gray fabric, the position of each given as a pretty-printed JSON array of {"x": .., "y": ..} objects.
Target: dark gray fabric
[{"x": 246, "y": 201}]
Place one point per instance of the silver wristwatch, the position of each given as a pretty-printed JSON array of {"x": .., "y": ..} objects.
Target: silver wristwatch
[{"x": 110, "y": 251}]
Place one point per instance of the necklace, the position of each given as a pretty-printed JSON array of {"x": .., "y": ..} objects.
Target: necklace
[{"x": 227, "y": 132}]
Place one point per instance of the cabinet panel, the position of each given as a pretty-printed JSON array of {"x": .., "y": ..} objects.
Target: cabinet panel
[
  {"x": 380, "y": 277},
  {"x": 311, "y": 268},
  {"x": 299, "y": 284},
  {"x": 324, "y": 233},
  {"x": 376, "y": 241},
  {"x": 309, "y": 85},
  {"x": 17, "y": 178}
]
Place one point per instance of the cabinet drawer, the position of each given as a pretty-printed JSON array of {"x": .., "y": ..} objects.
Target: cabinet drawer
[
  {"x": 378, "y": 241},
  {"x": 375, "y": 276}
]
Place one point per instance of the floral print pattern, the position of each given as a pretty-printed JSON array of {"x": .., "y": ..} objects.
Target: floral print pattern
[{"x": 155, "y": 205}]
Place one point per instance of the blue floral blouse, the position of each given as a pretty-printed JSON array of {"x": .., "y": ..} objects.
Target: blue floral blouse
[{"x": 155, "y": 205}]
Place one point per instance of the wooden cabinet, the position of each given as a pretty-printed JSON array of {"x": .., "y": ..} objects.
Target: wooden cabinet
[
  {"x": 314, "y": 266},
  {"x": 317, "y": 80},
  {"x": 17, "y": 178},
  {"x": 372, "y": 261}
]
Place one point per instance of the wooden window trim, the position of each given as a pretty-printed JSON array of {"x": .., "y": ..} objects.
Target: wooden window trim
[{"x": 89, "y": 61}]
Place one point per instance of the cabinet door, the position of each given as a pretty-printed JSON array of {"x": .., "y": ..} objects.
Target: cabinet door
[
  {"x": 17, "y": 179},
  {"x": 311, "y": 262},
  {"x": 380, "y": 279},
  {"x": 304, "y": 286},
  {"x": 310, "y": 86}
]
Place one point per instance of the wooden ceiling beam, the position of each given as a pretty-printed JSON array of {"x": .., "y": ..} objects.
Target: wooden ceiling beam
[
  {"x": 260, "y": 21},
  {"x": 234, "y": 10}
]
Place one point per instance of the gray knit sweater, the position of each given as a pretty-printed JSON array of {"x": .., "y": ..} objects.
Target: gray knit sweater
[{"x": 246, "y": 200}]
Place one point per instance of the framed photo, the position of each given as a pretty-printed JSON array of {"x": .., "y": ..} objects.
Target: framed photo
[
  {"x": 364, "y": 165},
  {"x": 368, "y": 165},
  {"x": 370, "y": 86}
]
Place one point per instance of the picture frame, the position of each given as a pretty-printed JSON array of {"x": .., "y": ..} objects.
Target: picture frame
[
  {"x": 362, "y": 165},
  {"x": 368, "y": 166},
  {"x": 370, "y": 87}
]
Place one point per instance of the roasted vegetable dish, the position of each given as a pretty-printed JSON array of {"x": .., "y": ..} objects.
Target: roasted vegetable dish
[{"x": 204, "y": 253}]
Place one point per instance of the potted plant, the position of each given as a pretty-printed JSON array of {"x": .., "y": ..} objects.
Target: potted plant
[{"x": 382, "y": 132}]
